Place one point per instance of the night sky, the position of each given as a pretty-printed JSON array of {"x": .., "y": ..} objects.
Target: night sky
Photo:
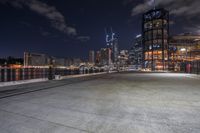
[{"x": 70, "y": 28}]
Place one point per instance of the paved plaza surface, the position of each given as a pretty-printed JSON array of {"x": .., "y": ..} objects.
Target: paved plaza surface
[{"x": 114, "y": 103}]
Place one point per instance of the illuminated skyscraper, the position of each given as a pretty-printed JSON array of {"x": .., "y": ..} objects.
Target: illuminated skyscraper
[
  {"x": 112, "y": 43},
  {"x": 155, "y": 39},
  {"x": 136, "y": 52}
]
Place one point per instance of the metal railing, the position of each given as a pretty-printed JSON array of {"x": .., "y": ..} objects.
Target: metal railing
[
  {"x": 191, "y": 67},
  {"x": 195, "y": 67},
  {"x": 16, "y": 74}
]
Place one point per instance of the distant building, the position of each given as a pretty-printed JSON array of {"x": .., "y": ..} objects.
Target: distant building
[
  {"x": 35, "y": 59},
  {"x": 69, "y": 62},
  {"x": 132, "y": 55},
  {"x": 92, "y": 56},
  {"x": 98, "y": 57},
  {"x": 59, "y": 61},
  {"x": 3, "y": 62},
  {"x": 115, "y": 50},
  {"x": 106, "y": 54},
  {"x": 136, "y": 52},
  {"x": 77, "y": 61},
  {"x": 124, "y": 57},
  {"x": 156, "y": 39},
  {"x": 11, "y": 61},
  {"x": 112, "y": 43}
]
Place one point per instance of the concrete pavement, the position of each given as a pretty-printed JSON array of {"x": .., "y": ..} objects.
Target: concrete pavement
[{"x": 116, "y": 103}]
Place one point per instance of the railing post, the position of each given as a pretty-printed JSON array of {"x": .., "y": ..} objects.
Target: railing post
[
  {"x": 44, "y": 73},
  {"x": 11, "y": 74},
  {"x": 5, "y": 73},
  {"x": 34, "y": 73},
  {"x": 28, "y": 73},
  {"x": 0, "y": 75},
  {"x": 23, "y": 73}
]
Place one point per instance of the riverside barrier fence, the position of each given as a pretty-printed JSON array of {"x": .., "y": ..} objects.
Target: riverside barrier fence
[
  {"x": 191, "y": 67},
  {"x": 16, "y": 74}
]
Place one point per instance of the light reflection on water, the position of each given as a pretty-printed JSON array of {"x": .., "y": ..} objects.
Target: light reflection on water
[{"x": 16, "y": 74}]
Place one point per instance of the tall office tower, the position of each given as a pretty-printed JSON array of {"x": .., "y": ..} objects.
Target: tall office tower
[
  {"x": 115, "y": 50},
  {"x": 105, "y": 56},
  {"x": 155, "y": 39},
  {"x": 112, "y": 43},
  {"x": 132, "y": 56},
  {"x": 136, "y": 53},
  {"x": 91, "y": 56}
]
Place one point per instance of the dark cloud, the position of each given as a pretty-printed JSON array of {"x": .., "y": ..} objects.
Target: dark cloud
[
  {"x": 83, "y": 38},
  {"x": 176, "y": 7},
  {"x": 56, "y": 18}
]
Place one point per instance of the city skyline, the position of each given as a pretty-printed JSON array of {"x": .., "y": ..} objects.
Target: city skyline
[
  {"x": 71, "y": 29},
  {"x": 100, "y": 66}
]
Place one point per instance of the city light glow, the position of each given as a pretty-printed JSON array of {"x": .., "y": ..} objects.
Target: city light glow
[{"x": 183, "y": 49}]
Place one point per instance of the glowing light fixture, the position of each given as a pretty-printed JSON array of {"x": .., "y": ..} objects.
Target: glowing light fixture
[{"x": 183, "y": 49}]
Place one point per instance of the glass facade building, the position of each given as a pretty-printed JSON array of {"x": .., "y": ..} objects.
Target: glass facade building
[
  {"x": 155, "y": 32},
  {"x": 136, "y": 52},
  {"x": 184, "y": 50}
]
